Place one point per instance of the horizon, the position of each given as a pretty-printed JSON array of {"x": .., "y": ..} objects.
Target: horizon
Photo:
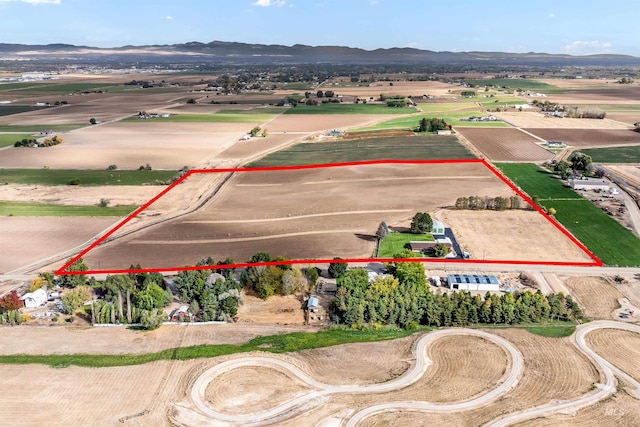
[{"x": 571, "y": 28}]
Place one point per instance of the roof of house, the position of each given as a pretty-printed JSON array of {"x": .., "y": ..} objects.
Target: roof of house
[
  {"x": 313, "y": 302},
  {"x": 483, "y": 279},
  {"x": 37, "y": 294}
]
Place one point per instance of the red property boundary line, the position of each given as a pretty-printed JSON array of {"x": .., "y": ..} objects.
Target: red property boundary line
[{"x": 596, "y": 262}]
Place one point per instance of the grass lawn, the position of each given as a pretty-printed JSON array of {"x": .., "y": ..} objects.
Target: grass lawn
[
  {"x": 557, "y": 329},
  {"x": 7, "y": 140},
  {"x": 86, "y": 177},
  {"x": 281, "y": 343},
  {"x": 614, "y": 154},
  {"x": 524, "y": 84},
  {"x": 604, "y": 236},
  {"x": 395, "y": 243},
  {"x": 348, "y": 109},
  {"x": 435, "y": 147},
  {"x": 40, "y": 128},
  {"x": 41, "y": 209}
]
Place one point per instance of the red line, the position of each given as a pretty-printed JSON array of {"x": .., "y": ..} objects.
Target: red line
[{"x": 597, "y": 262}]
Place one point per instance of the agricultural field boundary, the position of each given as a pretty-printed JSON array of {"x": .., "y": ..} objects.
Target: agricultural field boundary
[{"x": 595, "y": 261}]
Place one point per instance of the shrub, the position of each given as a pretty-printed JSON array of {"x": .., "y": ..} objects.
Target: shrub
[
  {"x": 74, "y": 181},
  {"x": 103, "y": 203},
  {"x": 112, "y": 167}
]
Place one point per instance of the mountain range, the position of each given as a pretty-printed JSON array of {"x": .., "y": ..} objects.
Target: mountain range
[{"x": 219, "y": 52}]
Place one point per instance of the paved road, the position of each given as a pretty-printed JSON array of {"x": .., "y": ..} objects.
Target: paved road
[{"x": 319, "y": 390}]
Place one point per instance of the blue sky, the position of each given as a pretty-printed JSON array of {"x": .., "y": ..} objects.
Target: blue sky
[{"x": 566, "y": 26}]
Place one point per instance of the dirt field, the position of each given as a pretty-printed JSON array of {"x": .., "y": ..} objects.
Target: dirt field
[
  {"x": 630, "y": 173},
  {"x": 622, "y": 94},
  {"x": 621, "y": 348},
  {"x": 300, "y": 211},
  {"x": 309, "y": 123},
  {"x": 505, "y": 144},
  {"x": 526, "y": 119},
  {"x": 583, "y": 138},
  {"x": 278, "y": 310},
  {"x": 77, "y": 195},
  {"x": 627, "y": 118},
  {"x": 477, "y": 233},
  {"x": 597, "y": 297},
  {"x": 620, "y": 410},
  {"x": 46, "y": 236}
]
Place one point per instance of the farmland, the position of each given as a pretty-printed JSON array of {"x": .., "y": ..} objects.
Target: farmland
[
  {"x": 225, "y": 116},
  {"x": 514, "y": 84},
  {"x": 588, "y": 138},
  {"x": 332, "y": 108},
  {"x": 451, "y": 118},
  {"x": 605, "y": 237},
  {"x": 84, "y": 176},
  {"x": 614, "y": 154},
  {"x": 41, "y": 209},
  {"x": 40, "y": 127},
  {"x": 6, "y": 110},
  {"x": 402, "y": 148},
  {"x": 505, "y": 144},
  {"x": 7, "y": 140},
  {"x": 533, "y": 119}
]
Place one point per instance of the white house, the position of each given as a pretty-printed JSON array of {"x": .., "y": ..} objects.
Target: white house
[
  {"x": 473, "y": 282},
  {"x": 36, "y": 298}
]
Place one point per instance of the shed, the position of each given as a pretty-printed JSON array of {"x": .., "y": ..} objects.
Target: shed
[
  {"x": 473, "y": 282},
  {"x": 180, "y": 314},
  {"x": 36, "y": 298},
  {"x": 590, "y": 184},
  {"x": 312, "y": 304}
]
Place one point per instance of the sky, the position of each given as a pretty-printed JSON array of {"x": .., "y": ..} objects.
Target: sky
[{"x": 566, "y": 26}]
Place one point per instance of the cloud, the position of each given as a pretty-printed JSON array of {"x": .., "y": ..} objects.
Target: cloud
[
  {"x": 552, "y": 15},
  {"x": 168, "y": 18},
  {"x": 587, "y": 47},
  {"x": 267, "y": 3},
  {"x": 34, "y": 1}
]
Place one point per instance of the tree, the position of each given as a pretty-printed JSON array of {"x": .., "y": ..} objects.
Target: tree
[
  {"x": 421, "y": 223},
  {"x": 383, "y": 231},
  {"x": 74, "y": 280},
  {"x": 152, "y": 296},
  {"x": 292, "y": 281},
  {"x": 255, "y": 131},
  {"x": 580, "y": 161},
  {"x": 92, "y": 121},
  {"x": 552, "y": 211},
  {"x": 74, "y": 298},
  {"x": 152, "y": 319},
  {"x": 439, "y": 250},
  {"x": 10, "y": 302},
  {"x": 264, "y": 133},
  {"x": 117, "y": 285},
  {"x": 337, "y": 269},
  {"x": 312, "y": 275},
  {"x": 319, "y": 94},
  {"x": 328, "y": 94}
]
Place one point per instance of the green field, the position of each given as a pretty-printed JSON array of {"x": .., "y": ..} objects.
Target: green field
[
  {"x": 421, "y": 147},
  {"x": 445, "y": 107},
  {"x": 281, "y": 343},
  {"x": 223, "y": 116},
  {"x": 41, "y": 209},
  {"x": 395, "y": 243},
  {"x": 614, "y": 154},
  {"x": 9, "y": 139},
  {"x": 40, "y": 128},
  {"x": 604, "y": 236},
  {"x": 524, "y": 84},
  {"x": 452, "y": 118},
  {"x": 86, "y": 176},
  {"x": 348, "y": 109},
  {"x": 297, "y": 86},
  {"x": 7, "y": 110}
]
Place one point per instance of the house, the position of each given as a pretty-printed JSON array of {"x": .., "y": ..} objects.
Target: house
[
  {"x": 444, "y": 131},
  {"x": 555, "y": 144},
  {"x": 180, "y": 314},
  {"x": 590, "y": 184},
  {"x": 437, "y": 227},
  {"x": 473, "y": 282},
  {"x": 36, "y": 298},
  {"x": 423, "y": 246}
]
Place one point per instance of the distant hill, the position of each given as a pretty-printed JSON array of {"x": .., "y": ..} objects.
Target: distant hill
[{"x": 243, "y": 53}]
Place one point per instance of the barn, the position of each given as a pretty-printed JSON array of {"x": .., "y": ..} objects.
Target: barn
[
  {"x": 36, "y": 298},
  {"x": 590, "y": 184},
  {"x": 473, "y": 282}
]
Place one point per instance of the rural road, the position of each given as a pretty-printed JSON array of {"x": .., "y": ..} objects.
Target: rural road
[
  {"x": 319, "y": 390},
  {"x": 605, "y": 368}
]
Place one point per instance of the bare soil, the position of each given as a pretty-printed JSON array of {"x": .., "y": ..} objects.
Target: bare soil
[
  {"x": 505, "y": 144},
  {"x": 514, "y": 239},
  {"x": 597, "y": 297},
  {"x": 532, "y": 119},
  {"x": 79, "y": 195},
  {"x": 277, "y": 310},
  {"x": 621, "y": 348},
  {"x": 583, "y": 138},
  {"x": 309, "y": 123}
]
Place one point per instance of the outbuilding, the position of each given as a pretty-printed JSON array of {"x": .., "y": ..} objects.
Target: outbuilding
[
  {"x": 590, "y": 184},
  {"x": 473, "y": 282},
  {"x": 36, "y": 298}
]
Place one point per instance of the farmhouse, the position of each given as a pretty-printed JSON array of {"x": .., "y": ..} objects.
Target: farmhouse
[
  {"x": 35, "y": 299},
  {"x": 473, "y": 282},
  {"x": 589, "y": 184},
  {"x": 425, "y": 246}
]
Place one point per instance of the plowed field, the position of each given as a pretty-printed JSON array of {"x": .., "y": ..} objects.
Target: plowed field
[
  {"x": 505, "y": 144},
  {"x": 588, "y": 137}
]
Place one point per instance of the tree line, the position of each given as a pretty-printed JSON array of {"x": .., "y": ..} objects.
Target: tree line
[
  {"x": 404, "y": 298},
  {"x": 487, "y": 203}
]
